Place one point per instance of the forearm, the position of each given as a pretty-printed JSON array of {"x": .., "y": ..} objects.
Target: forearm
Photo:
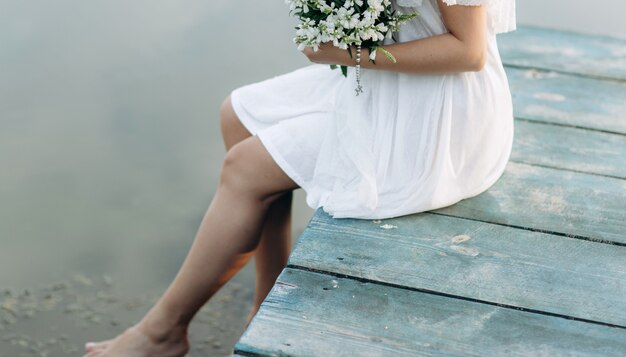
[
  {"x": 462, "y": 49},
  {"x": 436, "y": 54}
]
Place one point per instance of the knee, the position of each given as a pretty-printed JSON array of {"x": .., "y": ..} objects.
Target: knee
[
  {"x": 236, "y": 170},
  {"x": 241, "y": 175}
]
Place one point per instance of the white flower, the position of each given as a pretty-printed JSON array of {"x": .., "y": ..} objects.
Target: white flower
[
  {"x": 345, "y": 25},
  {"x": 373, "y": 55}
]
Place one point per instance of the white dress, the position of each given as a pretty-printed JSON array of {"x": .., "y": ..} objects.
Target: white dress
[{"x": 409, "y": 143}]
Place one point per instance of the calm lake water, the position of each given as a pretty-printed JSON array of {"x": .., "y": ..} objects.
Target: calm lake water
[{"x": 110, "y": 151}]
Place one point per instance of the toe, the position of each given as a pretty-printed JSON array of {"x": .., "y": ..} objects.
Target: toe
[
  {"x": 104, "y": 343},
  {"x": 98, "y": 351},
  {"x": 95, "y": 346},
  {"x": 89, "y": 346}
]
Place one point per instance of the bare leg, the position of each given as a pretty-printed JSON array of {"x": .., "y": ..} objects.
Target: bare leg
[
  {"x": 274, "y": 248},
  {"x": 273, "y": 251},
  {"x": 229, "y": 232}
]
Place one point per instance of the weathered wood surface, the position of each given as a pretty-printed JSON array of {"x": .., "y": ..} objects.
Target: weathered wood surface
[
  {"x": 564, "y": 51},
  {"x": 536, "y": 265},
  {"x": 312, "y": 314},
  {"x": 559, "y": 201},
  {"x": 472, "y": 259},
  {"x": 569, "y": 148},
  {"x": 570, "y": 100}
]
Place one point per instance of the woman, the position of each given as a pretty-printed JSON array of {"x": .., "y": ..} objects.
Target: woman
[{"x": 432, "y": 129}]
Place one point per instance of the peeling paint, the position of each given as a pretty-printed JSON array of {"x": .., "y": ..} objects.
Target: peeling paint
[
  {"x": 552, "y": 97},
  {"x": 552, "y": 200},
  {"x": 537, "y": 74},
  {"x": 282, "y": 288},
  {"x": 461, "y": 238},
  {"x": 465, "y": 250}
]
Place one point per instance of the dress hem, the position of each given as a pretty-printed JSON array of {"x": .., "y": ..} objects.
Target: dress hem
[
  {"x": 280, "y": 160},
  {"x": 247, "y": 121},
  {"x": 242, "y": 114}
]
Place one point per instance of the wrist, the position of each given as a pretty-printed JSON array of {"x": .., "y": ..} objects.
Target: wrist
[{"x": 365, "y": 54}]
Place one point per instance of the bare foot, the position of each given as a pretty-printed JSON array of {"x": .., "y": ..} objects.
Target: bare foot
[
  {"x": 133, "y": 342},
  {"x": 92, "y": 346}
]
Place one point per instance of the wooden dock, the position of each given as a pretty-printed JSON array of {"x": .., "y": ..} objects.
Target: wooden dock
[{"x": 535, "y": 266}]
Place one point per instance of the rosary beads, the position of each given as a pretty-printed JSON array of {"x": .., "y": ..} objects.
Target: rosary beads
[{"x": 359, "y": 88}]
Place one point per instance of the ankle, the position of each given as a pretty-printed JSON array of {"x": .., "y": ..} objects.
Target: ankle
[
  {"x": 160, "y": 327},
  {"x": 159, "y": 334}
]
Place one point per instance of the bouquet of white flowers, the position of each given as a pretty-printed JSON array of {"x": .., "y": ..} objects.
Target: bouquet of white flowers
[{"x": 364, "y": 23}]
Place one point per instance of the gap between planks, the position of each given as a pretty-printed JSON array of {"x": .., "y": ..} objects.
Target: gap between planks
[
  {"x": 539, "y": 121},
  {"x": 560, "y": 71},
  {"x": 566, "y": 169},
  {"x": 460, "y": 297},
  {"x": 538, "y": 230}
]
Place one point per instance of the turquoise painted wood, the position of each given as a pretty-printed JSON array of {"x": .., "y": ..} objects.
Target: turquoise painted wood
[
  {"x": 559, "y": 201},
  {"x": 536, "y": 265},
  {"x": 563, "y": 51},
  {"x": 570, "y": 100},
  {"x": 313, "y": 314},
  {"x": 472, "y": 259},
  {"x": 569, "y": 148}
]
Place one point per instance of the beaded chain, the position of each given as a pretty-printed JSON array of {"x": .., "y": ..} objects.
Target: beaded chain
[{"x": 359, "y": 88}]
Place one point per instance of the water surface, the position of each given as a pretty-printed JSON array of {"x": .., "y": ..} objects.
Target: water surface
[{"x": 110, "y": 151}]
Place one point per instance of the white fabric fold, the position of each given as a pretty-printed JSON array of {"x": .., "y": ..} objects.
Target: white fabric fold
[
  {"x": 349, "y": 168},
  {"x": 501, "y": 13},
  {"x": 406, "y": 139},
  {"x": 409, "y": 143}
]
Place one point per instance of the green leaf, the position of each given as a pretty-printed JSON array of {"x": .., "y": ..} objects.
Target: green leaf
[
  {"x": 389, "y": 55},
  {"x": 344, "y": 70}
]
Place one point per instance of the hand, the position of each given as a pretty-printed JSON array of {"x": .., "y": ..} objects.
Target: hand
[{"x": 329, "y": 54}]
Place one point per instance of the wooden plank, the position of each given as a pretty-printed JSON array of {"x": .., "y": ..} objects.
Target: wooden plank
[
  {"x": 569, "y": 148},
  {"x": 566, "y": 202},
  {"x": 472, "y": 259},
  {"x": 572, "y": 52},
  {"x": 312, "y": 314},
  {"x": 564, "y": 99}
]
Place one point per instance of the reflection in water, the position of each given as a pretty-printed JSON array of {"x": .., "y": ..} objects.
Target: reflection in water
[{"x": 110, "y": 151}]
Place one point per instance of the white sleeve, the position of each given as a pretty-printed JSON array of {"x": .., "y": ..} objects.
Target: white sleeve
[{"x": 501, "y": 12}]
